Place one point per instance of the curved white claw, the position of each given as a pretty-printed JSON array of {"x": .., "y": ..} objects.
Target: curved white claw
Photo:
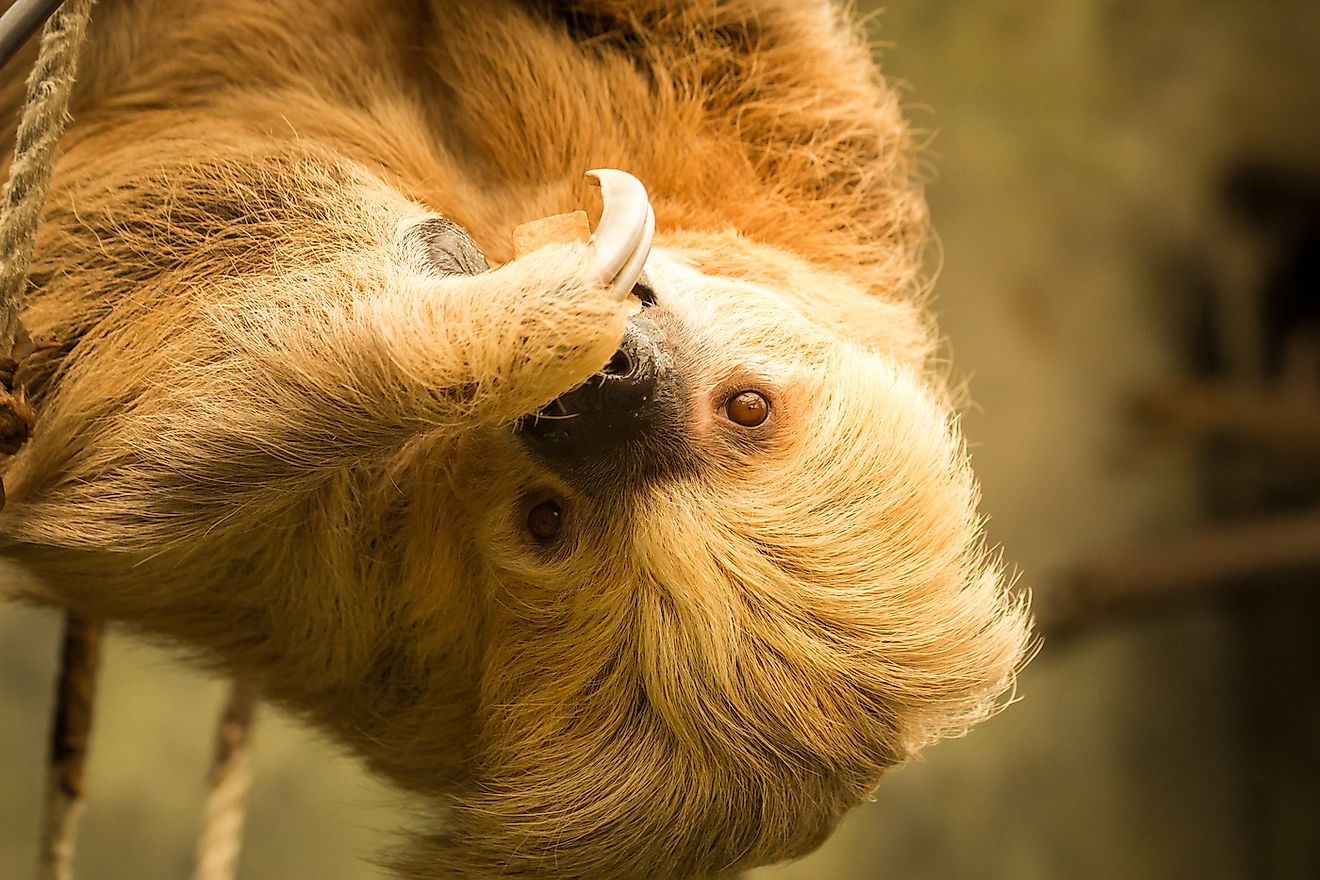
[{"x": 622, "y": 239}]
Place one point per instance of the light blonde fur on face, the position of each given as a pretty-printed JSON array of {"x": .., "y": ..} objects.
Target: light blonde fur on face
[{"x": 274, "y": 435}]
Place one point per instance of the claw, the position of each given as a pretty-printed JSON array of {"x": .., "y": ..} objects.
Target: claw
[{"x": 622, "y": 239}]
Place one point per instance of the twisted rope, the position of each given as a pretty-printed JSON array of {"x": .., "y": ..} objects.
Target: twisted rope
[
  {"x": 45, "y": 115},
  {"x": 75, "y": 698},
  {"x": 231, "y": 775}
]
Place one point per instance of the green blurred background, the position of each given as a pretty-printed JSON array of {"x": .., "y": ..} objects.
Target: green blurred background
[{"x": 1079, "y": 153}]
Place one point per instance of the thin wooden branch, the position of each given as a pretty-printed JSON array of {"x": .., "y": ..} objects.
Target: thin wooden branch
[
  {"x": 1188, "y": 567},
  {"x": 74, "y": 703},
  {"x": 1278, "y": 418},
  {"x": 231, "y": 775}
]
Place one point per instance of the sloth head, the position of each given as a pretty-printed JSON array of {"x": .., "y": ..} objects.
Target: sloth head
[{"x": 733, "y": 577}]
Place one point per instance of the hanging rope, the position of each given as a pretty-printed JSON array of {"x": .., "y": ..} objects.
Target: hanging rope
[
  {"x": 45, "y": 114},
  {"x": 231, "y": 775},
  {"x": 75, "y": 697}
]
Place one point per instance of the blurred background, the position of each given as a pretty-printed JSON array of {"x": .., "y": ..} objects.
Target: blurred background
[{"x": 1127, "y": 194}]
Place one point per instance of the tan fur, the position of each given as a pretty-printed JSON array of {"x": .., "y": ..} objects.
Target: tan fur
[
  {"x": 271, "y": 434},
  {"x": 555, "y": 229}
]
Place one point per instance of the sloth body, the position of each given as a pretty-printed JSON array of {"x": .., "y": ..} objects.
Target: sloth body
[{"x": 287, "y": 413}]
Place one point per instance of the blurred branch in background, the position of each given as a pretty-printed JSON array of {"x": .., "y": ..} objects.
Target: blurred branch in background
[
  {"x": 1189, "y": 568},
  {"x": 1282, "y": 421}
]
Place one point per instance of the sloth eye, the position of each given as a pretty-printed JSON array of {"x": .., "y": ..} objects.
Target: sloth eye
[
  {"x": 449, "y": 250},
  {"x": 747, "y": 408},
  {"x": 545, "y": 520}
]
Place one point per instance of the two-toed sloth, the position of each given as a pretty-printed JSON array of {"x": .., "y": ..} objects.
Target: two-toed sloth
[{"x": 302, "y": 413}]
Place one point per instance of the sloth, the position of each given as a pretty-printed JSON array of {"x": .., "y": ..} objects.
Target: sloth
[{"x": 644, "y": 556}]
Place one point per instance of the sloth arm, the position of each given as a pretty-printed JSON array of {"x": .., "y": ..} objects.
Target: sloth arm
[{"x": 241, "y": 318}]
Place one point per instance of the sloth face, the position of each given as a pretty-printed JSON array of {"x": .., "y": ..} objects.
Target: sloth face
[{"x": 739, "y": 571}]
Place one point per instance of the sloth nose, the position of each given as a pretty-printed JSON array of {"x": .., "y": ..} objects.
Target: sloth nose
[
  {"x": 626, "y": 383},
  {"x": 609, "y": 409}
]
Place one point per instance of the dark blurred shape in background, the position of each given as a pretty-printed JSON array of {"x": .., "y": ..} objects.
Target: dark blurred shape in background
[{"x": 1127, "y": 193}]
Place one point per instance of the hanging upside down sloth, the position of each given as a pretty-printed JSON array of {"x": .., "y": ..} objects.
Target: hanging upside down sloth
[{"x": 644, "y": 587}]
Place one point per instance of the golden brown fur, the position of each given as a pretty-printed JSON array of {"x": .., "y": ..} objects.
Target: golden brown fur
[{"x": 271, "y": 435}]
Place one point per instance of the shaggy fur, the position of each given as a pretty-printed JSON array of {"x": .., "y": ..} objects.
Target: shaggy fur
[{"x": 272, "y": 433}]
